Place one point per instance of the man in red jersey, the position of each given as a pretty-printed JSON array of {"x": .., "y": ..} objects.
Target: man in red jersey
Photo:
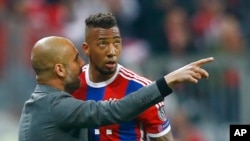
[{"x": 105, "y": 79}]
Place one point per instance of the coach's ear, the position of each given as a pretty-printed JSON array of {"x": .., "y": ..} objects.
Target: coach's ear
[
  {"x": 60, "y": 70},
  {"x": 85, "y": 48}
]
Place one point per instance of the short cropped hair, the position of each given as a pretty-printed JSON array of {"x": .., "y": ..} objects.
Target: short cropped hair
[{"x": 101, "y": 20}]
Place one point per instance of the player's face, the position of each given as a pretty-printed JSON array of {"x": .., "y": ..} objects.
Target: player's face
[
  {"x": 73, "y": 70},
  {"x": 103, "y": 49}
]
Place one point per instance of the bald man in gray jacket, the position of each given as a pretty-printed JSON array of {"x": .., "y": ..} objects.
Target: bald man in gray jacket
[{"x": 52, "y": 114}]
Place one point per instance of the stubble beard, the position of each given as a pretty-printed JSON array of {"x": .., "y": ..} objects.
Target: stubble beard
[{"x": 72, "y": 84}]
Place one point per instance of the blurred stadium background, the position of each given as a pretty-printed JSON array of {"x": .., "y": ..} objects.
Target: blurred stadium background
[{"x": 158, "y": 37}]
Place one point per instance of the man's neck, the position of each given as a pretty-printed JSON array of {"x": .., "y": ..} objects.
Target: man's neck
[
  {"x": 98, "y": 77},
  {"x": 51, "y": 82}
]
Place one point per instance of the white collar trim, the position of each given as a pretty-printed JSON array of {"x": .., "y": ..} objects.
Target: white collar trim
[{"x": 100, "y": 84}]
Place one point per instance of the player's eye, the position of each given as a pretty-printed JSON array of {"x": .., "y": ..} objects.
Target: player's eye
[
  {"x": 117, "y": 42},
  {"x": 102, "y": 43}
]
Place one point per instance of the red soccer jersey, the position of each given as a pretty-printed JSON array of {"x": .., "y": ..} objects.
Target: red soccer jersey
[{"x": 152, "y": 122}]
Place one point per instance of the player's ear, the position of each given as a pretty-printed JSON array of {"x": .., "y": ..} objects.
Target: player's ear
[
  {"x": 85, "y": 48},
  {"x": 60, "y": 70}
]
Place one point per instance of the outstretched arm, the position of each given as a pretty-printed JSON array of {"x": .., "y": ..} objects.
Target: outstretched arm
[{"x": 71, "y": 112}]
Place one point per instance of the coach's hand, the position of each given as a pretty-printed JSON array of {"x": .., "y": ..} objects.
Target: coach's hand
[{"x": 189, "y": 73}]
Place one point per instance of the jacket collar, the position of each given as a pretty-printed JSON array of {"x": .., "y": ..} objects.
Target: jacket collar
[{"x": 45, "y": 88}]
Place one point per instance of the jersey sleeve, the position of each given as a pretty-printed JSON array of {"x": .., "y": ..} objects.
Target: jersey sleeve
[{"x": 155, "y": 121}]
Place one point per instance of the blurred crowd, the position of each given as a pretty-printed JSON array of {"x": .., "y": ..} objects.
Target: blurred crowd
[{"x": 160, "y": 32}]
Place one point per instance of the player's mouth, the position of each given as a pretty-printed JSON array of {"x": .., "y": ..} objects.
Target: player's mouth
[{"x": 111, "y": 64}]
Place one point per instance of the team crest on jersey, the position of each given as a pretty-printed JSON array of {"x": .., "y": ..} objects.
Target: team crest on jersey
[{"x": 161, "y": 112}]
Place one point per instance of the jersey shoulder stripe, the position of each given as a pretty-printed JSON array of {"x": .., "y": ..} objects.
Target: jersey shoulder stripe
[{"x": 130, "y": 75}]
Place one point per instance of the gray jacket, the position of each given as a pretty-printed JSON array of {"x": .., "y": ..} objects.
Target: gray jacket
[{"x": 54, "y": 115}]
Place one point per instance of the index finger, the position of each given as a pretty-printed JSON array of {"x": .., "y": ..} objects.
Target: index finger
[{"x": 203, "y": 61}]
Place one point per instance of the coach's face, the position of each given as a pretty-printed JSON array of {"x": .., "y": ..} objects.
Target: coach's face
[
  {"x": 103, "y": 47},
  {"x": 72, "y": 69}
]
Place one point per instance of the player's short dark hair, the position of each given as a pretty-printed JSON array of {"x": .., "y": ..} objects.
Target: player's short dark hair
[{"x": 101, "y": 20}]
